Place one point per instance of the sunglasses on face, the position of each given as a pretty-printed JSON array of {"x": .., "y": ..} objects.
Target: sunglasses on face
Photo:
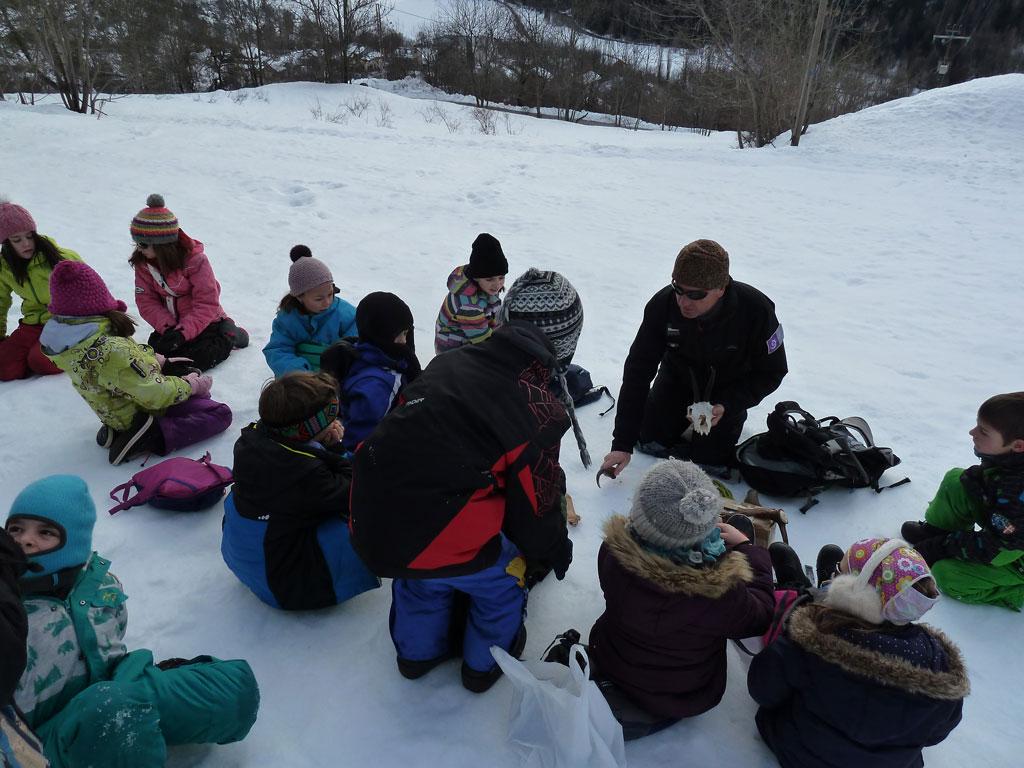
[{"x": 692, "y": 295}]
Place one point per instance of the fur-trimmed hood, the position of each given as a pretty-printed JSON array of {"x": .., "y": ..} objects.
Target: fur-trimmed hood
[
  {"x": 803, "y": 629},
  {"x": 732, "y": 569}
]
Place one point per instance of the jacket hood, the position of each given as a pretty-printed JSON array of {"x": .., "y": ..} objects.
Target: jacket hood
[
  {"x": 804, "y": 630},
  {"x": 62, "y": 333},
  {"x": 732, "y": 570},
  {"x": 530, "y": 339},
  {"x": 277, "y": 461}
]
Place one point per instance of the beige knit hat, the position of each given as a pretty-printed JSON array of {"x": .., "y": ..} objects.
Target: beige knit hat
[{"x": 675, "y": 505}]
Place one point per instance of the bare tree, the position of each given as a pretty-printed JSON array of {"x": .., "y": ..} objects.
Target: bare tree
[
  {"x": 481, "y": 29},
  {"x": 66, "y": 43}
]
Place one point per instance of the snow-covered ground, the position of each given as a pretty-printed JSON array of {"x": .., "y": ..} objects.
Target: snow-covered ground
[{"x": 886, "y": 239}]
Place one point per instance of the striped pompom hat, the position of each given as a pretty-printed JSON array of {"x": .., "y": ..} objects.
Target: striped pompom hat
[{"x": 155, "y": 224}]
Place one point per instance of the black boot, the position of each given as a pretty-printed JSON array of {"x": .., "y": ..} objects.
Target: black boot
[
  {"x": 142, "y": 437},
  {"x": 411, "y": 670},
  {"x": 789, "y": 572},
  {"x": 104, "y": 437},
  {"x": 478, "y": 682},
  {"x": 743, "y": 524},
  {"x": 558, "y": 651},
  {"x": 827, "y": 564},
  {"x": 914, "y": 532}
]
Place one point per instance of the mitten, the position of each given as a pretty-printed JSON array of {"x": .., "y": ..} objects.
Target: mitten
[
  {"x": 561, "y": 564},
  {"x": 201, "y": 384},
  {"x": 169, "y": 341}
]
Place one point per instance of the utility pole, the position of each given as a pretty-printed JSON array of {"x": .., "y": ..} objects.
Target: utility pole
[
  {"x": 805, "y": 84},
  {"x": 953, "y": 34}
]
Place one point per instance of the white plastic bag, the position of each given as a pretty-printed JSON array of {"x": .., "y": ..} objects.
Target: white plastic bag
[{"x": 559, "y": 718}]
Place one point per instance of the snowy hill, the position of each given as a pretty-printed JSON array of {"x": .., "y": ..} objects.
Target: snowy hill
[{"x": 886, "y": 240}]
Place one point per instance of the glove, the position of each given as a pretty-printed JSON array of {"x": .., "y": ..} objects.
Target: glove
[
  {"x": 934, "y": 549},
  {"x": 13, "y": 562},
  {"x": 160, "y": 360},
  {"x": 561, "y": 565},
  {"x": 201, "y": 384},
  {"x": 169, "y": 341}
]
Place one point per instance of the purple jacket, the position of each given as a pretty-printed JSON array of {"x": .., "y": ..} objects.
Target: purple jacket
[{"x": 662, "y": 636}]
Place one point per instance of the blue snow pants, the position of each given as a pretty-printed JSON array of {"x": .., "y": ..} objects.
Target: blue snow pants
[{"x": 421, "y": 612}]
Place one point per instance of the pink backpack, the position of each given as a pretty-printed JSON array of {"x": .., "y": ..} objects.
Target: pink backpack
[{"x": 180, "y": 484}]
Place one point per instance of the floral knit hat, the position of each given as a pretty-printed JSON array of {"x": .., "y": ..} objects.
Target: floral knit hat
[{"x": 880, "y": 584}]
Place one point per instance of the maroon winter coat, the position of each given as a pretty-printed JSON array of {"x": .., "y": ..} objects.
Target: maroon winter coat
[{"x": 662, "y": 636}]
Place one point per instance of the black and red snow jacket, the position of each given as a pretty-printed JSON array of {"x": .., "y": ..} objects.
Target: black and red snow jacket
[{"x": 470, "y": 453}]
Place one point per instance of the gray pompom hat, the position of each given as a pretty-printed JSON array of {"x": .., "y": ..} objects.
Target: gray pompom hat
[{"x": 675, "y": 506}]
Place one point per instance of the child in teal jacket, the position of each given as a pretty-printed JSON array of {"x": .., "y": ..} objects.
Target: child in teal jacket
[
  {"x": 309, "y": 318},
  {"x": 91, "y": 702}
]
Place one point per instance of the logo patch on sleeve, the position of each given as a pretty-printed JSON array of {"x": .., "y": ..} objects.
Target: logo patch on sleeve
[
  {"x": 137, "y": 367},
  {"x": 775, "y": 340}
]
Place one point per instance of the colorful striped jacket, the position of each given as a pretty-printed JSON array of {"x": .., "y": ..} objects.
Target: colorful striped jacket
[{"x": 468, "y": 315}]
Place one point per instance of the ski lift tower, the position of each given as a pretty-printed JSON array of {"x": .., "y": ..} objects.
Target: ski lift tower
[{"x": 953, "y": 36}]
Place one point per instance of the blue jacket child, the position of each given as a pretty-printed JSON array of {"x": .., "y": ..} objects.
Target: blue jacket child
[
  {"x": 91, "y": 701},
  {"x": 309, "y": 318},
  {"x": 373, "y": 372}
]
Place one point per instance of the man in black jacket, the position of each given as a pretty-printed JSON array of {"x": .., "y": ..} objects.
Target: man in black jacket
[
  {"x": 460, "y": 486},
  {"x": 709, "y": 338}
]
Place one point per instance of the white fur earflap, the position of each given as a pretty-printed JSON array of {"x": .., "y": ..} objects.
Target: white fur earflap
[{"x": 850, "y": 594}]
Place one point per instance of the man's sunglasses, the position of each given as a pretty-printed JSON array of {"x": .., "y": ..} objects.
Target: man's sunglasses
[{"x": 692, "y": 295}]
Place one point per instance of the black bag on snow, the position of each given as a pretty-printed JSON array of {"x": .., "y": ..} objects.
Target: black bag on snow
[
  {"x": 581, "y": 387},
  {"x": 800, "y": 455}
]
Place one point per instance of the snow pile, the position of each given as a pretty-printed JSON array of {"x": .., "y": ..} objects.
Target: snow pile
[{"x": 896, "y": 280}]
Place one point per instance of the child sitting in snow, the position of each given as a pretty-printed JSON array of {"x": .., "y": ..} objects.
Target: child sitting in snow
[
  {"x": 177, "y": 293},
  {"x": 852, "y": 681},
  {"x": 142, "y": 409},
  {"x": 973, "y": 531},
  {"x": 375, "y": 369},
  {"x": 470, "y": 312},
  {"x": 285, "y": 533},
  {"x": 677, "y": 584},
  {"x": 310, "y": 317},
  {"x": 27, "y": 260},
  {"x": 91, "y": 702}
]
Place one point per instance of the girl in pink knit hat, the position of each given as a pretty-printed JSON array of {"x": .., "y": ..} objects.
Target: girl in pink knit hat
[
  {"x": 141, "y": 407},
  {"x": 26, "y": 261},
  {"x": 852, "y": 680},
  {"x": 176, "y": 291}
]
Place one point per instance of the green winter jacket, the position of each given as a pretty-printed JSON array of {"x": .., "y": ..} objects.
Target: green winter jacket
[
  {"x": 73, "y": 642},
  {"x": 116, "y": 376},
  {"x": 34, "y": 292}
]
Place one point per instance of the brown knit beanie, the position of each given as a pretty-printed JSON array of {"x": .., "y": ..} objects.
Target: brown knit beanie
[{"x": 702, "y": 264}]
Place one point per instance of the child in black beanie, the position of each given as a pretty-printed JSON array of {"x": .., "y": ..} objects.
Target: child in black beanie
[{"x": 377, "y": 367}]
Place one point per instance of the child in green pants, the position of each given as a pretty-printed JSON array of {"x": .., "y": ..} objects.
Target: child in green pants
[
  {"x": 973, "y": 532},
  {"x": 91, "y": 702}
]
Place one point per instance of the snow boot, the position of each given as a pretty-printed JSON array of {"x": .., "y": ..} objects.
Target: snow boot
[
  {"x": 743, "y": 524},
  {"x": 558, "y": 651},
  {"x": 478, "y": 682},
  {"x": 104, "y": 437},
  {"x": 827, "y": 565},
  {"x": 789, "y": 571},
  {"x": 142, "y": 437},
  {"x": 915, "y": 532}
]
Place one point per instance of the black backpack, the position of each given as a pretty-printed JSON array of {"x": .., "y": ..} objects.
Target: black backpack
[
  {"x": 800, "y": 455},
  {"x": 581, "y": 387}
]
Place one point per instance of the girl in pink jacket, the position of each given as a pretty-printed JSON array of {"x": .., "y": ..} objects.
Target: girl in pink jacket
[{"x": 176, "y": 292}]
